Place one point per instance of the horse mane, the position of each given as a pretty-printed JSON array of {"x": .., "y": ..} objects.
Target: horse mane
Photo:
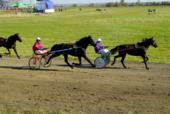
[
  {"x": 83, "y": 42},
  {"x": 142, "y": 42},
  {"x": 145, "y": 42},
  {"x": 13, "y": 36}
]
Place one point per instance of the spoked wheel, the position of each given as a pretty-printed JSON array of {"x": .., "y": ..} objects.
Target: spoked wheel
[
  {"x": 43, "y": 61},
  {"x": 34, "y": 63},
  {"x": 99, "y": 62}
]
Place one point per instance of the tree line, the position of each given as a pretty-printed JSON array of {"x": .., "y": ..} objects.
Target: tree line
[{"x": 122, "y": 3}]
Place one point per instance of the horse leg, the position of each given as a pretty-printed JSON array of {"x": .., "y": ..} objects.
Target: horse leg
[
  {"x": 51, "y": 56},
  {"x": 66, "y": 60},
  {"x": 145, "y": 61},
  {"x": 146, "y": 58},
  {"x": 9, "y": 52},
  {"x": 49, "y": 59},
  {"x": 79, "y": 58},
  {"x": 87, "y": 59},
  {"x": 16, "y": 53},
  {"x": 117, "y": 56},
  {"x": 122, "y": 60}
]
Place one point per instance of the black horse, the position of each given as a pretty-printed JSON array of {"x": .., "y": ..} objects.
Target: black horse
[
  {"x": 77, "y": 49},
  {"x": 10, "y": 42},
  {"x": 138, "y": 49}
]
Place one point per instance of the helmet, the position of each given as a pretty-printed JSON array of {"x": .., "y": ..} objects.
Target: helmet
[
  {"x": 38, "y": 38},
  {"x": 99, "y": 40}
]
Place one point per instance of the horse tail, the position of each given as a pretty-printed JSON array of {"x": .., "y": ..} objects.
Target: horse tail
[{"x": 114, "y": 50}]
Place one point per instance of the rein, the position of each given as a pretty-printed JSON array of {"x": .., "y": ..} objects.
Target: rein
[{"x": 62, "y": 50}]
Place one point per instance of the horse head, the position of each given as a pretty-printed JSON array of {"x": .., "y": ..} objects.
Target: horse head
[
  {"x": 85, "y": 41},
  {"x": 90, "y": 40},
  {"x": 17, "y": 37},
  {"x": 153, "y": 43},
  {"x": 14, "y": 38},
  {"x": 146, "y": 42}
]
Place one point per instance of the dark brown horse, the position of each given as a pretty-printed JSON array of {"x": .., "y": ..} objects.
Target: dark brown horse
[
  {"x": 138, "y": 49},
  {"x": 10, "y": 43},
  {"x": 77, "y": 49}
]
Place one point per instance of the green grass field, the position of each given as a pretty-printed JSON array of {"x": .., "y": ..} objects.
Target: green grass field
[{"x": 114, "y": 25}]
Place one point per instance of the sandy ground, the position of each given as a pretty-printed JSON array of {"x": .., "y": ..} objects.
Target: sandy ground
[{"x": 84, "y": 90}]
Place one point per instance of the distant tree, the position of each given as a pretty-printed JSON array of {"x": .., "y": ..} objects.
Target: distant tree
[
  {"x": 109, "y": 4},
  {"x": 122, "y": 2},
  {"x": 165, "y": 3},
  {"x": 1, "y": 2},
  {"x": 74, "y": 5},
  {"x": 116, "y": 4},
  {"x": 138, "y": 1},
  {"x": 112, "y": 4},
  {"x": 91, "y": 5}
]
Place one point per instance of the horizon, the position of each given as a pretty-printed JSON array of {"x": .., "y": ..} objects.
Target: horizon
[
  {"x": 92, "y": 1},
  {"x": 99, "y": 1}
]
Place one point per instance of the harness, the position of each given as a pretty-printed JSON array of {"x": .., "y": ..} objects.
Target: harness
[
  {"x": 63, "y": 50},
  {"x": 5, "y": 42},
  {"x": 136, "y": 46}
]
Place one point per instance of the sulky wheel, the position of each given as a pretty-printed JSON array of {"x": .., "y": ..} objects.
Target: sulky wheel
[
  {"x": 34, "y": 63},
  {"x": 99, "y": 62},
  {"x": 43, "y": 61}
]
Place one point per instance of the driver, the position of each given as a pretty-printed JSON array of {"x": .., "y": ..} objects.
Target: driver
[
  {"x": 100, "y": 49},
  {"x": 38, "y": 47}
]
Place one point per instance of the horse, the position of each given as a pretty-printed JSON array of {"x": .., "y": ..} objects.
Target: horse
[
  {"x": 10, "y": 43},
  {"x": 77, "y": 49},
  {"x": 138, "y": 49}
]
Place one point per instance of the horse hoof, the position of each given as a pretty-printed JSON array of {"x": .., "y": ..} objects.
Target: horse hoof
[
  {"x": 76, "y": 64},
  {"x": 6, "y": 53}
]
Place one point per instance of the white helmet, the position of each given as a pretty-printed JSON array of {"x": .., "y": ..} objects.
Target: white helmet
[
  {"x": 38, "y": 38},
  {"x": 99, "y": 40}
]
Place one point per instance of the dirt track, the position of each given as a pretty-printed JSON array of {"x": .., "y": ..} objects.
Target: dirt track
[{"x": 88, "y": 90}]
